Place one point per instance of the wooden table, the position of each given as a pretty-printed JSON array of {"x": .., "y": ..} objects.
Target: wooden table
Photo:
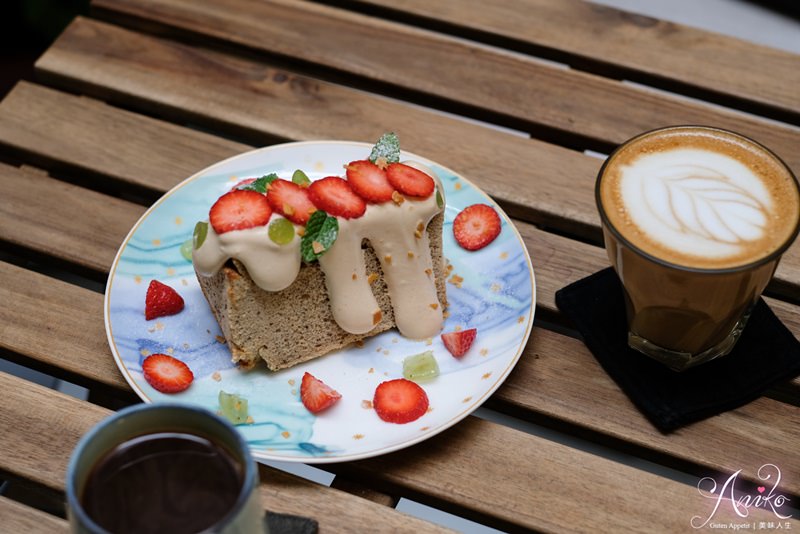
[{"x": 143, "y": 93}]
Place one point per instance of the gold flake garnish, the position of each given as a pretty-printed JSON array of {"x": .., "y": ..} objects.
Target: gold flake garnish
[
  {"x": 301, "y": 231},
  {"x": 397, "y": 198},
  {"x": 424, "y": 428},
  {"x": 366, "y": 404},
  {"x": 156, "y": 242},
  {"x": 358, "y": 436},
  {"x": 445, "y": 314},
  {"x": 429, "y": 271},
  {"x": 145, "y": 353},
  {"x": 170, "y": 271},
  {"x": 417, "y": 234},
  {"x": 355, "y": 276},
  {"x": 249, "y": 420},
  {"x": 288, "y": 210},
  {"x": 521, "y": 319},
  {"x": 484, "y": 351},
  {"x": 233, "y": 178},
  {"x": 216, "y": 377},
  {"x": 388, "y": 259},
  {"x": 457, "y": 186},
  {"x": 184, "y": 281},
  {"x": 372, "y": 277},
  {"x": 429, "y": 410},
  {"x": 456, "y": 280},
  {"x": 170, "y": 350},
  {"x": 285, "y": 434},
  {"x": 434, "y": 306},
  {"x": 429, "y": 341},
  {"x": 159, "y": 326},
  {"x": 371, "y": 370},
  {"x": 293, "y": 392},
  {"x": 449, "y": 267},
  {"x": 317, "y": 247},
  {"x": 178, "y": 220},
  {"x": 376, "y": 317},
  {"x": 410, "y": 255},
  {"x": 495, "y": 288},
  {"x": 381, "y": 162},
  {"x": 385, "y": 352},
  {"x": 137, "y": 279},
  {"x": 504, "y": 255},
  {"x": 419, "y": 230},
  {"x": 486, "y": 375},
  {"x": 379, "y": 349},
  {"x": 220, "y": 339},
  {"x": 291, "y": 381},
  {"x": 319, "y": 166},
  {"x": 458, "y": 328},
  {"x": 467, "y": 399}
]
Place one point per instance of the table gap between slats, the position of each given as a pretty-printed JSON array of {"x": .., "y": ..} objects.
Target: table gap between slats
[
  {"x": 529, "y": 28},
  {"x": 557, "y": 193}
]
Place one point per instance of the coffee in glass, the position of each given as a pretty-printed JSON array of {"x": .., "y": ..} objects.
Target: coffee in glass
[{"x": 695, "y": 220}]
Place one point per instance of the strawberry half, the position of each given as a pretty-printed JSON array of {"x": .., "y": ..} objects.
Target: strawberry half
[
  {"x": 400, "y": 401},
  {"x": 476, "y": 226},
  {"x": 246, "y": 181},
  {"x": 458, "y": 343},
  {"x": 161, "y": 300},
  {"x": 369, "y": 181},
  {"x": 410, "y": 181},
  {"x": 239, "y": 210},
  {"x": 316, "y": 395},
  {"x": 335, "y": 197},
  {"x": 166, "y": 374},
  {"x": 290, "y": 200}
]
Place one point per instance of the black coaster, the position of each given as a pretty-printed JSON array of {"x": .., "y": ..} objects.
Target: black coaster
[
  {"x": 289, "y": 524},
  {"x": 766, "y": 354}
]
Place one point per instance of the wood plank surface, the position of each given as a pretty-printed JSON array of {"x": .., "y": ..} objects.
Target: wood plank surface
[
  {"x": 556, "y": 378},
  {"x": 519, "y": 470},
  {"x": 18, "y": 518},
  {"x": 614, "y": 42},
  {"x": 535, "y": 181},
  {"x": 524, "y": 90},
  {"x": 31, "y": 453}
]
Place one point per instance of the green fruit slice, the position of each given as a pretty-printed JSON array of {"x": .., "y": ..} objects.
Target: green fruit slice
[
  {"x": 281, "y": 231},
  {"x": 421, "y": 367},
  {"x": 200, "y": 232},
  {"x": 233, "y": 407},
  {"x": 301, "y": 178},
  {"x": 186, "y": 249}
]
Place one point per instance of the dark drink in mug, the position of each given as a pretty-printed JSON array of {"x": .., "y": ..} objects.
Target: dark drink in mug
[{"x": 695, "y": 220}]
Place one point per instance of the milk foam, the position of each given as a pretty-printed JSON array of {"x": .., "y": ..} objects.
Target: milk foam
[{"x": 695, "y": 201}]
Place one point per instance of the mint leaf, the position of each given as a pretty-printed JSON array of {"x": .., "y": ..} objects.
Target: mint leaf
[
  {"x": 439, "y": 199},
  {"x": 387, "y": 147},
  {"x": 321, "y": 232},
  {"x": 260, "y": 185}
]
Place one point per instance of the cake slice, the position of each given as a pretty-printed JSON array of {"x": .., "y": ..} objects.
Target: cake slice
[{"x": 344, "y": 267}]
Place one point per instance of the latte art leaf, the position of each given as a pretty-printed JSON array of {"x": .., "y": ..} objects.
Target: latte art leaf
[{"x": 697, "y": 200}]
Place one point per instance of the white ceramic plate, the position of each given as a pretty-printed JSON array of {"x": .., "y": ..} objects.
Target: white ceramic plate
[{"x": 497, "y": 296}]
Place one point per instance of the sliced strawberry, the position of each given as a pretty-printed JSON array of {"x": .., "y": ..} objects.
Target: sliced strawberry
[
  {"x": 290, "y": 200},
  {"x": 239, "y": 210},
  {"x": 161, "y": 300},
  {"x": 369, "y": 181},
  {"x": 410, "y": 181},
  {"x": 476, "y": 226},
  {"x": 335, "y": 197},
  {"x": 166, "y": 374},
  {"x": 400, "y": 401},
  {"x": 458, "y": 343},
  {"x": 316, "y": 395},
  {"x": 246, "y": 181}
]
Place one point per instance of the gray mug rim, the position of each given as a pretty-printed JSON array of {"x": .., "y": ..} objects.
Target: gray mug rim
[
  {"x": 248, "y": 482},
  {"x": 728, "y": 270}
]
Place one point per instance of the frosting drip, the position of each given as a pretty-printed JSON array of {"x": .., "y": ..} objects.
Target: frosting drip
[{"x": 397, "y": 233}]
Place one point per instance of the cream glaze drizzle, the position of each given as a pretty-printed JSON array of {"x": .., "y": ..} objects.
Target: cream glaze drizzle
[{"x": 391, "y": 230}]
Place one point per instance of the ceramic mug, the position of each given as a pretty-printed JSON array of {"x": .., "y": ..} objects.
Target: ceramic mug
[{"x": 163, "y": 467}]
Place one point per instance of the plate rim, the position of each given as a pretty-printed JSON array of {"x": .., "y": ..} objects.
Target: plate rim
[{"x": 263, "y": 455}]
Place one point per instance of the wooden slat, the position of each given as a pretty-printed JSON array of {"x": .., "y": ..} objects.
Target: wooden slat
[
  {"x": 16, "y": 517},
  {"x": 466, "y": 461},
  {"x": 556, "y": 377},
  {"x": 608, "y": 40},
  {"x": 37, "y": 414},
  {"x": 518, "y": 87},
  {"x": 537, "y": 181}
]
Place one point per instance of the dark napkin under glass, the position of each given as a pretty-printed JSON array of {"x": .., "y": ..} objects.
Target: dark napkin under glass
[
  {"x": 766, "y": 354},
  {"x": 276, "y": 523}
]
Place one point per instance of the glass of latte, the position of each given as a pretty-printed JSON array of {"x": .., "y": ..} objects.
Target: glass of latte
[{"x": 695, "y": 220}]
